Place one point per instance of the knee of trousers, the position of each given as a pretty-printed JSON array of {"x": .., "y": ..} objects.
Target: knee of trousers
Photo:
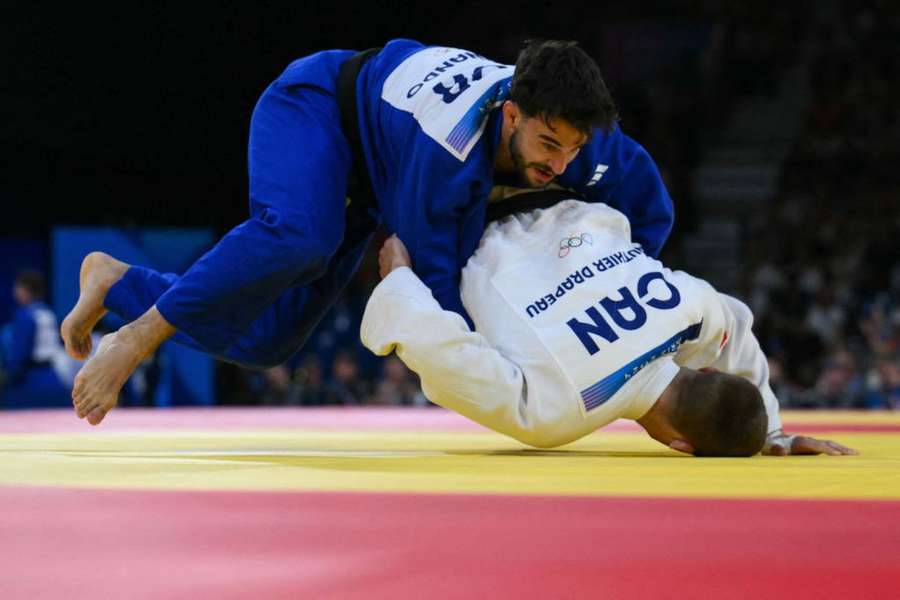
[
  {"x": 299, "y": 259},
  {"x": 309, "y": 251}
]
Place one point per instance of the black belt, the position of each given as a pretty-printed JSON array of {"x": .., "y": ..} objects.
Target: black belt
[
  {"x": 527, "y": 202},
  {"x": 359, "y": 184}
]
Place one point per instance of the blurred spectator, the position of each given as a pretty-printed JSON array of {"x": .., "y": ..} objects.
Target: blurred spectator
[
  {"x": 309, "y": 383},
  {"x": 346, "y": 386},
  {"x": 883, "y": 385},
  {"x": 824, "y": 264},
  {"x": 277, "y": 385},
  {"x": 34, "y": 362},
  {"x": 840, "y": 384},
  {"x": 399, "y": 387}
]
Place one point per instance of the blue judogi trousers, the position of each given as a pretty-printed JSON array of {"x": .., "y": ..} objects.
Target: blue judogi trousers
[{"x": 257, "y": 295}]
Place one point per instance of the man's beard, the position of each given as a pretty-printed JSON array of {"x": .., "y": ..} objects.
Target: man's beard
[{"x": 519, "y": 164}]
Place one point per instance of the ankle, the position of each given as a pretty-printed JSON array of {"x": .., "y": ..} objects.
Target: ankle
[{"x": 145, "y": 334}]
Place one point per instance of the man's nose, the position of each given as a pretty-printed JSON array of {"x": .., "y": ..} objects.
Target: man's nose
[{"x": 558, "y": 164}]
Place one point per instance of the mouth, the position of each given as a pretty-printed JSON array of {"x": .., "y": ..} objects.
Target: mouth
[{"x": 542, "y": 175}]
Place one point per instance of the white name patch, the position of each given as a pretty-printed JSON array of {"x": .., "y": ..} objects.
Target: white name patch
[{"x": 449, "y": 93}]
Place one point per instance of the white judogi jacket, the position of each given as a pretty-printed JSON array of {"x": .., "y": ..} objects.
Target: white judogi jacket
[{"x": 575, "y": 327}]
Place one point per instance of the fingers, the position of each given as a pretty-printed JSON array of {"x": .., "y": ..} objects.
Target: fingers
[
  {"x": 393, "y": 254},
  {"x": 808, "y": 445},
  {"x": 841, "y": 449},
  {"x": 803, "y": 445}
]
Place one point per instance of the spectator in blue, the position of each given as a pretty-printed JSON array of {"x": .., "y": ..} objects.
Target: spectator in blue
[{"x": 32, "y": 352}]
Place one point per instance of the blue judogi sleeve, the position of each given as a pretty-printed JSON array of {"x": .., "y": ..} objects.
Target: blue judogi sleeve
[
  {"x": 614, "y": 169},
  {"x": 427, "y": 111},
  {"x": 20, "y": 345}
]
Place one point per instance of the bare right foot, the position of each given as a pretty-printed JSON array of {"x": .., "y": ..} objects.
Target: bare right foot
[{"x": 99, "y": 272}]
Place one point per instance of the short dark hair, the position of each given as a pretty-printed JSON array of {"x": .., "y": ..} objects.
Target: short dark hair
[
  {"x": 720, "y": 415},
  {"x": 557, "y": 79},
  {"x": 33, "y": 281}
]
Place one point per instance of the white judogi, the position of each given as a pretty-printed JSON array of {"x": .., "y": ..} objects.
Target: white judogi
[{"x": 575, "y": 328}]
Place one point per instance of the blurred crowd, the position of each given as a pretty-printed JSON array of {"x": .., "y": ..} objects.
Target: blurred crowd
[
  {"x": 823, "y": 259},
  {"x": 822, "y": 265}
]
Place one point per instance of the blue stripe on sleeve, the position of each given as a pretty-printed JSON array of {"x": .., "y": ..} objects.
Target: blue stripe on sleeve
[{"x": 604, "y": 389}]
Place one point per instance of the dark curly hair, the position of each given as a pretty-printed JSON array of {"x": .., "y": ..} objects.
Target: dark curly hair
[{"x": 558, "y": 80}]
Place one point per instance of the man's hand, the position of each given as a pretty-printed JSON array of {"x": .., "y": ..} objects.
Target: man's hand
[
  {"x": 393, "y": 255},
  {"x": 779, "y": 444}
]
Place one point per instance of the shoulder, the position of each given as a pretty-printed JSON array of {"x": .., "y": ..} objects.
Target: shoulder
[
  {"x": 605, "y": 159},
  {"x": 449, "y": 92}
]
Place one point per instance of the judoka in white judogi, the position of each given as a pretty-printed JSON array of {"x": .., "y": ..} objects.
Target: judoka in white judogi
[{"x": 575, "y": 327}]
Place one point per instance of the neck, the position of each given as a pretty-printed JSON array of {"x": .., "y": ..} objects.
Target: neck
[{"x": 656, "y": 422}]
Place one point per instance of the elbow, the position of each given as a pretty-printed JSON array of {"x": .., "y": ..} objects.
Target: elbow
[
  {"x": 541, "y": 437},
  {"x": 545, "y": 442}
]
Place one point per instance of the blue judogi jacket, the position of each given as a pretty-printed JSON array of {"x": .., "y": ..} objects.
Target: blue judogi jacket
[{"x": 430, "y": 125}]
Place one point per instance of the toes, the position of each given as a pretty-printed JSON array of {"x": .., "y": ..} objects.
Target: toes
[
  {"x": 78, "y": 388},
  {"x": 82, "y": 407},
  {"x": 96, "y": 416}
]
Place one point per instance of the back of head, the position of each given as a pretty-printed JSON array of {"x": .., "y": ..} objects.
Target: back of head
[
  {"x": 558, "y": 80},
  {"x": 720, "y": 415},
  {"x": 33, "y": 282}
]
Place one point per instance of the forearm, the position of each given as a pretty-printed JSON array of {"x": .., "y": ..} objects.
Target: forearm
[{"x": 458, "y": 368}]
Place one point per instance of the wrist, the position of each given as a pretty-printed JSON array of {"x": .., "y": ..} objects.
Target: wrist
[{"x": 778, "y": 438}]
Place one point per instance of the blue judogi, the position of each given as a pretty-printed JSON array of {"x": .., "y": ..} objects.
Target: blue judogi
[
  {"x": 30, "y": 347},
  {"x": 430, "y": 127}
]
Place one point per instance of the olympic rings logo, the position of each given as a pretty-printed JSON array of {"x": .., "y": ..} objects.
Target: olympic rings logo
[{"x": 566, "y": 244}]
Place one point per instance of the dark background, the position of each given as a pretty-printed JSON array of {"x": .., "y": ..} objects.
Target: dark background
[{"x": 140, "y": 112}]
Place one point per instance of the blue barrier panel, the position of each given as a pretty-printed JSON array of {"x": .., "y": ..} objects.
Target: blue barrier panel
[{"x": 186, "y": 375}]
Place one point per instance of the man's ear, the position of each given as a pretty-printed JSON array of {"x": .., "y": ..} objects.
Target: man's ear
[
  {"x": 681, "y": 446},
  {"x": 511, "y": 113}
]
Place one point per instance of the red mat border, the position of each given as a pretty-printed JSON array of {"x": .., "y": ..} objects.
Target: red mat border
[{"x": 146, "y": 544}]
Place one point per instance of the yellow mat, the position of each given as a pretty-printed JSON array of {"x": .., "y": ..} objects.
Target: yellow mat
[{"x": 608, "y": 463}]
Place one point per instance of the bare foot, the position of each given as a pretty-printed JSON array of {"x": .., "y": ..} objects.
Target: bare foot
[
  {"x": 100, "y": 380},
  {"x": 99, "y": 272}
]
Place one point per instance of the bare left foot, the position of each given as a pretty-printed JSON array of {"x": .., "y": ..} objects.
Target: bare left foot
[
  {"x": 100, "y": 380},
  {"x": 99, "y": 272}
]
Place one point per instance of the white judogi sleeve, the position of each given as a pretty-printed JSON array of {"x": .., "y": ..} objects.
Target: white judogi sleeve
[
  {"x": 523, "y": 375},
  {"x": 727, "y": 344},
  {"x": 458, "y": 369},
  {"x": 571, "y": 335}
]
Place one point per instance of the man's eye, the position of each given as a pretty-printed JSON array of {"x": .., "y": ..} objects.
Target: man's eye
[{"x": 549, "y": 147}]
